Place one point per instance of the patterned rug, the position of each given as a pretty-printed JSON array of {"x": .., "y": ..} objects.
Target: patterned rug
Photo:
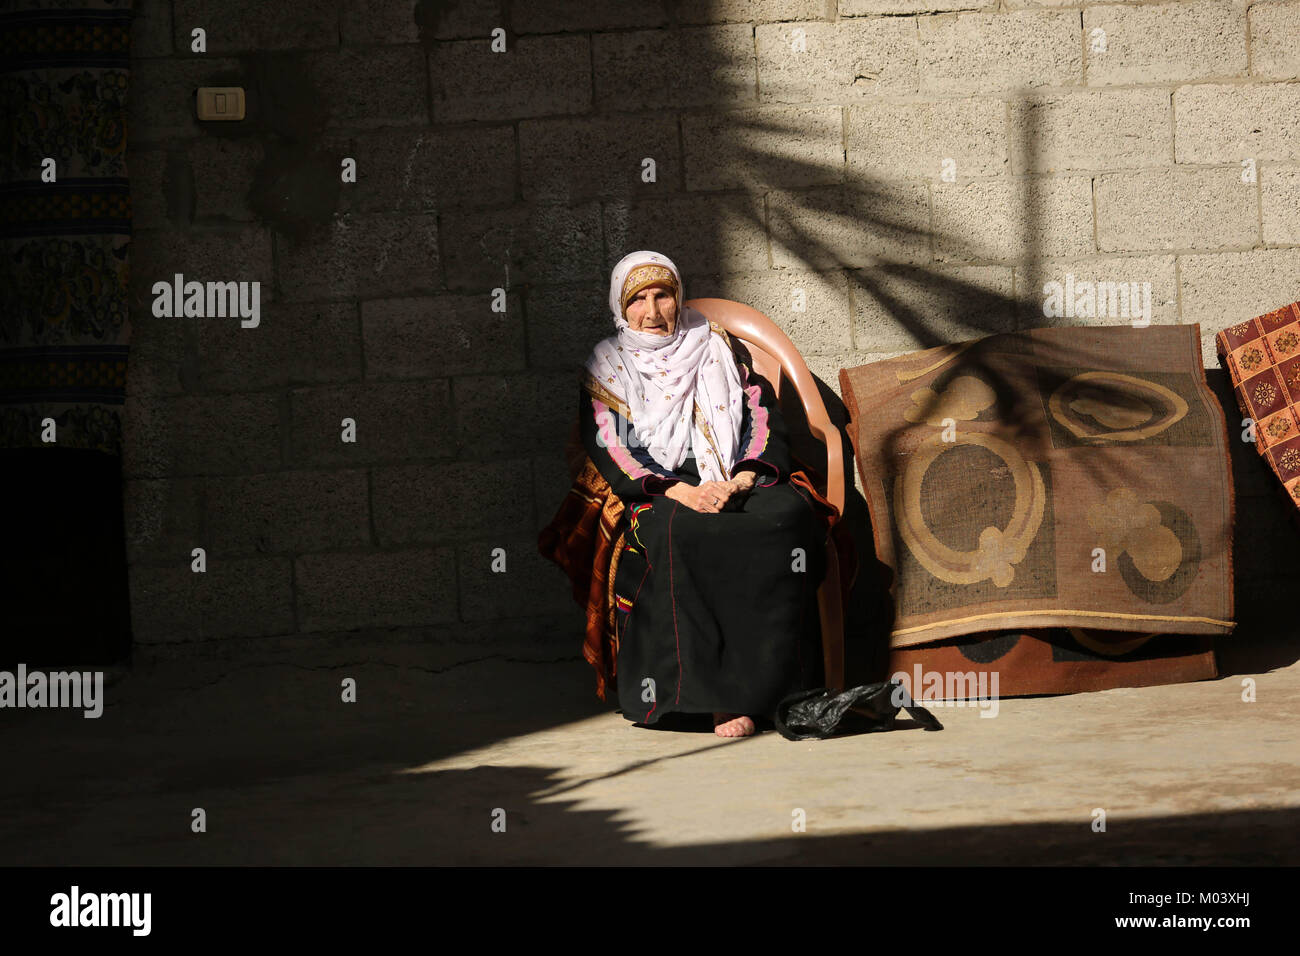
[
  {"x": 64, "y": 73},
  {"x": 1054, "y": 661},
  {"x": 1262, "y": 357},
  {"x": 1048, "y": 479}
]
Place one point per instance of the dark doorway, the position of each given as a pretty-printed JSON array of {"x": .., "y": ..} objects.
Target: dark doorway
[{"x": 63, "y": 578}]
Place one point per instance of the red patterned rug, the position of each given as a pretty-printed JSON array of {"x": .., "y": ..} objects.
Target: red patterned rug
[{"x": 1262, "y": 357}]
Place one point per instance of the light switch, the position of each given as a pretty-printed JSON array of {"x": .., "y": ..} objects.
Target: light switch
[{"x": 220, "y": 102}]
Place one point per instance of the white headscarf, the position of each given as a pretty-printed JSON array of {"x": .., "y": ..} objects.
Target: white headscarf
[{"x": 663, "y": 379}]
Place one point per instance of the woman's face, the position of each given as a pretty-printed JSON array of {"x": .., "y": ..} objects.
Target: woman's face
[{"x": 653, "y": 310}]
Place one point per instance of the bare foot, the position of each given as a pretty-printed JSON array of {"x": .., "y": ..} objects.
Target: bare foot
[{"x": 732, "y": 725}]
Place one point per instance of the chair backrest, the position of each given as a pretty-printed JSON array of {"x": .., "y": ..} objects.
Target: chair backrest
[{"x": 778, "y": 361}]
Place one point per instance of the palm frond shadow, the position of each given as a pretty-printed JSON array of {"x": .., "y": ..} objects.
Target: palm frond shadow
[{"x": 892, "y": 260}]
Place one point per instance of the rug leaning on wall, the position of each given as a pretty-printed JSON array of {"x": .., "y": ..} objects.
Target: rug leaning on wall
[
  {"x": 65, "y": 206},
  {"x": 1262, "y": 357},
  {"x": 1058, "y": 501},
  {"x": 1060, "y": 660}
]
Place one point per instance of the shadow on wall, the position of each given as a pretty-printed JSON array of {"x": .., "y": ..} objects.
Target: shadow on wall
[
  {"x": 910, "y": 282},
  {"x": 864, "y": 239},
  {"x": 847, "y": 224}
]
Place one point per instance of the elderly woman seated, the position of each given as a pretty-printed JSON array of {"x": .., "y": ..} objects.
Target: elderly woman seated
[{"x": 724, "y": 553}]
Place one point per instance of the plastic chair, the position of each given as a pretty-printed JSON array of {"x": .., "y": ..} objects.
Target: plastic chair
[{"x": 778, "y": 361}]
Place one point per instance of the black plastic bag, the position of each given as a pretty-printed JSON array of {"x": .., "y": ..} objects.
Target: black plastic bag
[{"x": 818, "y": 714}]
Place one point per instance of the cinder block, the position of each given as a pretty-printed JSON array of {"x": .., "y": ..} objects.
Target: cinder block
[
  {"x": 914, "y": 140},
  {"x": 990, "y": 53},
  {"x": 1223, "y": 123},
  {"x": 502, "y": 248},
  {"x": 223, "y": 174},
  {"x": 427, "y": 170},
  {"x": 212, "y": 254},
  {"x": 824, "y": 323},
  {"x": 1166, "y": 42},
  {"x": 529, "y": 584},
  {"x": 769, "y": 147},
  {"x": 151, "y": 333},
  {"x": 290, "y": 98},
  {"x": 555, "y": 16},
  {"x": 539, "y": 639},
  {"x": 1221, "y": 289},
  {"x": 701, "y": 234},
  {"x": 1279, "y": 188},
  {"x": 163, "y": 519},
  {"x": 288, "y": 511},
  {"x": 161, "y": 104},
  {"x": 441, "y": 336},
  {"x": 392, "y": 589},
  {"x": 1175, "y": 208},
  {"x": 355, "y": 256},
  {"x": 755, "y": 11},
  {"x": 433, "y": 504},
  {"x": 193, "y": 435},
  {"x": 293, "y": 345},
  {"x": 1033, "y": 217},
  {"x": 902, "y": 309},
  {"x": 242, "y": 597},
  {"x": 296, "y": 185},
  {"x": 376, "y": 86},
  {"x": 673, "y": 69},
  {"x": 826, "y": 368},
  {"x": 364, "y": 22},
  {"x": 849, "y": 226},
  {"x": 551, "y": 483},
  {"x": 535, "y": 76},
  {"x": 250, "y": 25},
  {"x": 153, "y": 373},
  {"x": 569, "y": 159},
  {"x": 1112, "y": 304},
  {"x": 395, "y": 421},
  {"x": 158, "y": 356},
  {"x": 499, "y": 416},
  {"x": 887, "y": 8},
  {"x": 841, "y": 62},
  {"x": 565, "y": 322},
  {"x": 1274, "y": 52},
  {"x": 148, "y": 171},
  {"x": 1091, "y": 130},
  {"x": 151, "y": 30}
]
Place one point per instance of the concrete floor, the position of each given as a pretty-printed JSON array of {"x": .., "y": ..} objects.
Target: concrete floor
[{"x": 412, "y": 772}]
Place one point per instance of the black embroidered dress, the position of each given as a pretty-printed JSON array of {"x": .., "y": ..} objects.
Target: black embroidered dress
[{"x": 715, "y": 612}]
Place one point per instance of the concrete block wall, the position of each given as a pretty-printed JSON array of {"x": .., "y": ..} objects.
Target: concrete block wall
[{"x": 917, "y": 169}]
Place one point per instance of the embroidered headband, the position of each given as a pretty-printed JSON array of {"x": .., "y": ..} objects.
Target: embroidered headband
[{"x": 646, "y": 275}]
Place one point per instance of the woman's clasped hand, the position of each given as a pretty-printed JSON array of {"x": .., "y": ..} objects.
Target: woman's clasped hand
[{"x": 710, "y": 497}]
